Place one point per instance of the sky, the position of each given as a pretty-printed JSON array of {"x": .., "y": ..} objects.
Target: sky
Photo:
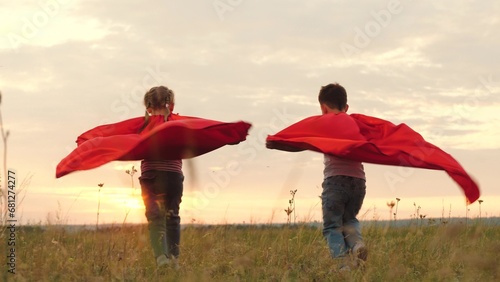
[{"x": 68, "y": 66}]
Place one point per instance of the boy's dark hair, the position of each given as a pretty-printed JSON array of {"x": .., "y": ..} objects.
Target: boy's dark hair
[{"x": 333, "y": 95}]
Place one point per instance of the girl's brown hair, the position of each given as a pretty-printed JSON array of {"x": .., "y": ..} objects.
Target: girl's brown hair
[{"x": 158, "y": 97}]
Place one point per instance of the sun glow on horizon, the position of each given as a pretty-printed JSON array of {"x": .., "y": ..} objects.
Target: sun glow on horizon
[{"x": 117, "y": 204}]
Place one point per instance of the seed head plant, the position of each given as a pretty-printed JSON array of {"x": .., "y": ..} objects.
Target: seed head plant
[
  {"x": 288, "y": 214},
  {"x": 397, "y": 204},
  {"x": 417, "y": 210},
  {"x": 391, "y": 205},
  {"x": 98, "y": 204},
  {"x": 130, "y": 172},
  {"x": 480, "y": 202},
  {"x": 291, "y": 207}
]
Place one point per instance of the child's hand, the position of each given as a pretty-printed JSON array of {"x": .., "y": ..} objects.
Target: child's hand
[
  {"x": 270, "y": 145},
  {"x": 282, "y": 147}
]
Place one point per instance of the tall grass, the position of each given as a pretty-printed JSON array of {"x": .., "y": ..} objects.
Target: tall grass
[
  {"x": 3, "y": 174},
  {"x": 258, "y": 253}
]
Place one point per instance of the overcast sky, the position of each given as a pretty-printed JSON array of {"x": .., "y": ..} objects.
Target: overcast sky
[{"x": 68, "y": 66}]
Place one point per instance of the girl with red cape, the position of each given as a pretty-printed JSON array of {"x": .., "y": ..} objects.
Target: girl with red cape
[{"x": 161, "y": 140}]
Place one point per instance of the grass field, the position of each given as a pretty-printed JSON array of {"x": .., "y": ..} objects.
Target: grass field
[{"x": 447, "y": 252}]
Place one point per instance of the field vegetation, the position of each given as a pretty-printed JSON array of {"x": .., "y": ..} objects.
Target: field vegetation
[{"x": 290, "y": 252}]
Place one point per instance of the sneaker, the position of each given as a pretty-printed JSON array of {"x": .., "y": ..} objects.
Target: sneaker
[
  {"x": 162, "y": 260},
  {"x": 174, "y": 263},
  {"x": 344, "y": 268},
  {"x": 360, "y": 251},
  {"x": 342, "y": 264}
]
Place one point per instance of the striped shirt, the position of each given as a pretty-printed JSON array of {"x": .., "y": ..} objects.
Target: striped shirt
[
  {"x": 162, "y": 165},
  {"x": 338, "y": 166}
]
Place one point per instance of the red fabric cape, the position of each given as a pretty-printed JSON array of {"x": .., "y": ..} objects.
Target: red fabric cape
[
  {"x": 179, "y": 138},
  {"x": 372, "y": 140}
]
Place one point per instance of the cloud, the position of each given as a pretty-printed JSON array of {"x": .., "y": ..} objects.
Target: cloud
[
  {"x": 432, "y": 66},
  {"x": 397, "y": 75}
]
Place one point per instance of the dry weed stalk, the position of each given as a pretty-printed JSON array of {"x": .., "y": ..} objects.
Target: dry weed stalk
[
  {"x": 130, "y": 172},
  {"x": 291, "y": 207},
  {"x": 397, "y": 204},
  {"x": 417, "y": 210},
  {"x": 480, "y": 202},
  {"x": 3, "y": 194},
  {"x": 98, "y": 205},
  {"x": 391, "y": 205}
]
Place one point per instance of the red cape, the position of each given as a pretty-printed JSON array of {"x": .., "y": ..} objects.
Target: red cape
[
  {"x": 179, "y": 138},
  {"x": 372, "y": 140}
]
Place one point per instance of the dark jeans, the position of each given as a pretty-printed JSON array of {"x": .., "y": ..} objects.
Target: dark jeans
[
  {"x": 162, "y": 193},
  {"x": 342, "y": 199}
]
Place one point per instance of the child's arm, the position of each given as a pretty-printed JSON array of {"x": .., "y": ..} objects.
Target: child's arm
[{"x": 281, "y": 146}]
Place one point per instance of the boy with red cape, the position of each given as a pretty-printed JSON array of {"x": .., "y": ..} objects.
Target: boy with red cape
[{"x": 348, "y": 140}]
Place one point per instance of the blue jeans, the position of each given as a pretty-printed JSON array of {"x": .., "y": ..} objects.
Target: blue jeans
[
  {"x": 162, "y": 193},
  {"x": 342, "y": 199}
]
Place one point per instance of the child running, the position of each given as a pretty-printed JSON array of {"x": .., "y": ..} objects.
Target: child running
[
  {"x": 162, "y": 185},
  {"x": 344, "y": 188},
  {"x": 344, "y": 184}
]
